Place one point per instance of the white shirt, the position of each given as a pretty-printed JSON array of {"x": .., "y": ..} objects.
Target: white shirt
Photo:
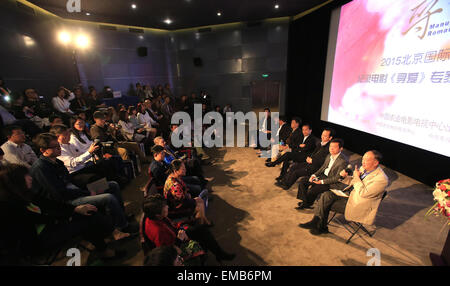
[
  {"x": 304, "y": 139},
  {"x": 73, "y": 157},
  {"x": 62, "y": 104},
  {"x": 279, "y": 128},
  {"x": 21, "y": 155},
  {"x": 145, "y": 120},
  {"x": 263, "y": 126},
  {"x": 127, "y": 129},
  {"x": 330, "y": 165},
  {"x": 82, "y": 147}
]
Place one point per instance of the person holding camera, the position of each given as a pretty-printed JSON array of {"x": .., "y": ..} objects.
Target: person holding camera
[
  {"x": 325, "y": 178},
  {"x": 108, "y": 133}
]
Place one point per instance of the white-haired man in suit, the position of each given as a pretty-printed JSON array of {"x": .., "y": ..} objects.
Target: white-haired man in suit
[{"x": 366, "y": 189}]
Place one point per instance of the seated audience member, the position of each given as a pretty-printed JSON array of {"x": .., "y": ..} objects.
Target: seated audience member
[
  {"x": 158, "y": 167},
  {"x": 179, "y": 199},
  {"x": 366, "y": 188},
  {"x": 164, "y": 256},
  {"x": 22, "y": 111},
  {"x": 140, "y": 92},
  {"x": 161, "y": 231},
  {"x": 324, "y": 179},
  {"x": 148, "y": 91},
  {"x": 132, "y": 116},
  {"x": 6, "y": 118},
  {"x": 107, "y": 133},
  {"x": 311, "y": 164},
  {"x": 35, "y": 225},
  {"x": 39, "y": 106},
  {"x": 80, "y": 163},
  {"x": 166, "y": 108},
  {"x": 298, "y": 153},
  {"x": 107, "y": 92},
  {"x": 94, "y": 101},
  {"x": 128, "y": 130},
  {"x": 264, "y": 127},
  {"x": 60, "y": 103},
  {"x": 15, "y": 149},
  {"x": 193, "y": 165},
  {"x": 79, "y": 103},
  {"x": 145, "y": 120},
  {"x": 283, "y": 133},
  {"x": 52, "y": 180},
  {"x": 54, "y": 119}
]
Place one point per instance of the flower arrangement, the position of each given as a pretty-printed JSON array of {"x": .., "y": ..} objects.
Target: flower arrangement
[{"x": 442, "y": 197}]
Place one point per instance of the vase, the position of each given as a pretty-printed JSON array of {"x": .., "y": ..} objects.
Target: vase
[{"x": 444, "y": 258}]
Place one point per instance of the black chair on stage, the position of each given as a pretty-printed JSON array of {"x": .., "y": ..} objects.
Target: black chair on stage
[{"x": 356, "y": 225}]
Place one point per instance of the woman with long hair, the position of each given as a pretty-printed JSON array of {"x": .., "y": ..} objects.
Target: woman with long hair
[
  {"x": 180, "y": 202},
  {"x": 80, "y": 136},
  {"x": 128, "y": 129},
  {"x": 158, "y": 231}
]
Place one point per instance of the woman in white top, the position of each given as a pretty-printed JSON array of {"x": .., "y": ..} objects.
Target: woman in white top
[
  {"x": 144, "y": 119},
  {"x": 79, "y": 137},
  {"x": 128, "y": 129},
  {"x": 62, "y": 104}
]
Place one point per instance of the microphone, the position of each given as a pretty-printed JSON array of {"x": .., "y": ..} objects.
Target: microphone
[
  {"x": 97, "y": 141},
  {"x": 348, "y": 170}
]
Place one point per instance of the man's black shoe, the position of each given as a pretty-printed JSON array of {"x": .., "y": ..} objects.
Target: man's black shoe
[
  {"x": 268, "y": 160},
  {"x": 280, "y": 184},
  {"x": 311, "y": 224},
  {"x": 319, "y": 231},
  {"x": 302, "y": 205},
  {"x": 270, "y": 164}
]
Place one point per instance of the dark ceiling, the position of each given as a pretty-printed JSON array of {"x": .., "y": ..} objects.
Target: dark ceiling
[{"x": 183, "y": 13}]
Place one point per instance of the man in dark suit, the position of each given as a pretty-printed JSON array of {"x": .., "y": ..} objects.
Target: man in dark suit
[
  {"x": 325, "y": 178},
  {"x": 299, "y": 152},
  {"x": 311, "y": 164},
  {"x": 283, "y": 133}
]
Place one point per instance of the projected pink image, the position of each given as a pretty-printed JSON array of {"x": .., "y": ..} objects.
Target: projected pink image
[{"x": 392, "y": 70}]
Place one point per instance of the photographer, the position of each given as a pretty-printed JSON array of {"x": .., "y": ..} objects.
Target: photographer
[
  {"x": 80, "y": 162},
  {"x": 108, "y": 133}
]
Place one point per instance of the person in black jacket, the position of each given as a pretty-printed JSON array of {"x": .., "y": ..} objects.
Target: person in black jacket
[
  {"x": 298, "y": 152},
  {"x": 51, "y": 180},
  {"x": 32, "y": 226},
  {"x": 279, "y": 138},
  {"x": 311, "y": 164}
]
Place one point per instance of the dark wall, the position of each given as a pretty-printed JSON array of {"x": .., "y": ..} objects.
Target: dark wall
[
  {"x": 45, "y": 64},
  {"x": 233, "y": 56},
  {"x": 308, "y": 40},
  {"x": 113, "y": 59},
  {"x": 29, "y": 56}
]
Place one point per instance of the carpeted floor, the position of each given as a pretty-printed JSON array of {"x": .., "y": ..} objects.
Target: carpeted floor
[{"x": 257, "y": 220}]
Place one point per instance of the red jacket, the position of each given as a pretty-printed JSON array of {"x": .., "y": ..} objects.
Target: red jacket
[{"x": 160, "y": 232}]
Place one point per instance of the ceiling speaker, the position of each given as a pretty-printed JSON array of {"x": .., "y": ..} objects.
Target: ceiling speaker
[
  {"x": 142, "y": 51},
  {"x": 198, "y": 62}
]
